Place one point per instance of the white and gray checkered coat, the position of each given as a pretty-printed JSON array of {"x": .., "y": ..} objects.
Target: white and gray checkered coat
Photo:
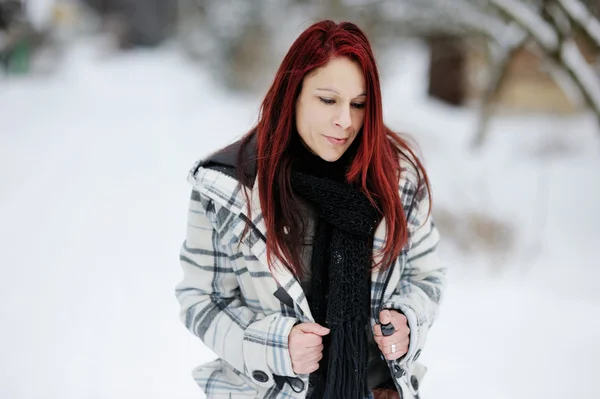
[{"x": 244, "y": 312}]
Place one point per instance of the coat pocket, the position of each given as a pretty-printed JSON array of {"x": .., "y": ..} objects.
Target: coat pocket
[{"x": 219, "y": 380}]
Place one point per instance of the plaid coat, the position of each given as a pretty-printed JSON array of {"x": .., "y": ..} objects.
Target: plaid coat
[{"x": 244, "y": 312}]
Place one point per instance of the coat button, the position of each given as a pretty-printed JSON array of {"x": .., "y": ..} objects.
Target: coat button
[
  {"x": 260, "y": 376},
  {"x": 297, "y": 384},
  {"x": 399, "y": 372},
  {"x": 414, "y": 382}
]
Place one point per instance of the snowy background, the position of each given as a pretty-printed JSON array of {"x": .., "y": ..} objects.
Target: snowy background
[{"x": 93, "y": 205}]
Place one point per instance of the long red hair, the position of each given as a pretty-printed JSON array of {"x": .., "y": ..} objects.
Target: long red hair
[{"x": 375, "y": 168}]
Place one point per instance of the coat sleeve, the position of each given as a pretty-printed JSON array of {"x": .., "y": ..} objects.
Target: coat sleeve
[
  {"x": 213, "y": 308},
  {"x": 423, "y": 278}
]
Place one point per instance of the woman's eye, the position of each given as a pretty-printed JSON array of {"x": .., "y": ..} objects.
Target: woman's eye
[
  {"x": 327, "y": 100},
  {"x": 359, "y": 105}
]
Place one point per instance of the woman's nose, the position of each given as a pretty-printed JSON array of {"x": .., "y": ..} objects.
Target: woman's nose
[{"x": 343, "y": 119}]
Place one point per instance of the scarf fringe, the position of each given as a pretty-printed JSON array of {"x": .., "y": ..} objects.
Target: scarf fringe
[{"x": 347, "y": 379}]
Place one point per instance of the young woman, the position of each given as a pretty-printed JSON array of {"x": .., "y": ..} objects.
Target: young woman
[{"x": 310, "y": 258}]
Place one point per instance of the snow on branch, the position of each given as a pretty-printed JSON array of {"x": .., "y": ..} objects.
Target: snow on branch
[
  {"x": 530, "y": 20},
  {"x": 464, "y": 15},
  {"x": 577, "y": 65},
  {"x": 580, "y": 14}
]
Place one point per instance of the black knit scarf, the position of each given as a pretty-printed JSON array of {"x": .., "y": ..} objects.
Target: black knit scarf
[{"x": 340, "y": 282}]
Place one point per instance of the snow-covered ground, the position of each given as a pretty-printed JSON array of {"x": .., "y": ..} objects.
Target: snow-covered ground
[{"x": 93, "y": 200}]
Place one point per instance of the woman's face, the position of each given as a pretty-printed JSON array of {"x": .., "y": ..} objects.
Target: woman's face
[{"x": 330, "y": 108}]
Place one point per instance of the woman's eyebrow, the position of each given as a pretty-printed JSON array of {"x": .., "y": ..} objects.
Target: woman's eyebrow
[{"x": 336, "y": 92}]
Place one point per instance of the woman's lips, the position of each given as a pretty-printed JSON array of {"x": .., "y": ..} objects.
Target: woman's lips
[{"x": 336, "y": 141}]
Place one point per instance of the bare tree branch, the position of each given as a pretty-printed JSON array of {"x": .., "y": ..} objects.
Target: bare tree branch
[
  {"x": 500, "y": 64},
  {"x": 579, "y": 14},
  {"x": 468, "y": 17},
  {"x": 529, "y": 20}
]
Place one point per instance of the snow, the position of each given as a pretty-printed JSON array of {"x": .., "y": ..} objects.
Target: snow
[
  {"x": 579, "y": 12},
  {"x": 39, "y": 12},
  {"x": 472, "y": 17},
  {"x": 458, "y": 14},
  {"x": 575, "y": 62},
  {"x": 530, "y": 20},
  {"x": 94, "y": 199}
]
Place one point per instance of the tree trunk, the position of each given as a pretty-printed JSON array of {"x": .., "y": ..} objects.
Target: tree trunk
[{"x": 447, "y": 81}]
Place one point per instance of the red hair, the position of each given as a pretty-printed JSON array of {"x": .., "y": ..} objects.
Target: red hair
[{"x": 375, "y": 168}]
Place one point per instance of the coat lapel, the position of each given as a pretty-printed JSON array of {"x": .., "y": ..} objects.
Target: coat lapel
[
  {"x": 285, "y": 279},
  {"x": 378, "y": 277},
  {"x": 227, "y": 192}
]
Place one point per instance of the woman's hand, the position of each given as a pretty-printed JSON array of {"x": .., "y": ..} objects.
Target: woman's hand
[
  {"x": 305, "y": 345},
  {"x": 399, "y": 339}
]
